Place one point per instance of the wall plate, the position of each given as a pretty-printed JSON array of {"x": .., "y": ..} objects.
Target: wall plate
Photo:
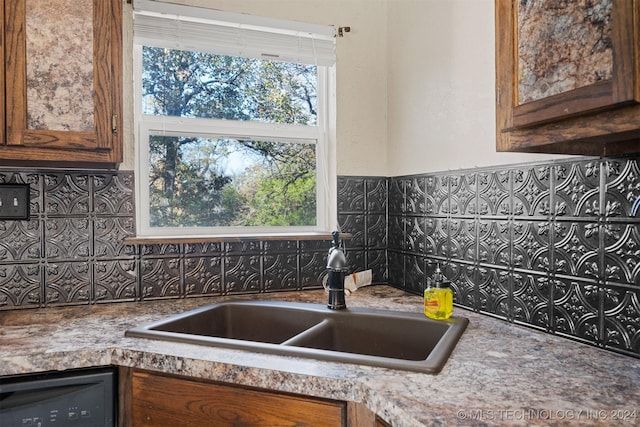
[{"x": 14, "y": 202}]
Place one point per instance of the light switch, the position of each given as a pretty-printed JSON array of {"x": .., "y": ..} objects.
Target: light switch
[{"x": 14, "y": 202}]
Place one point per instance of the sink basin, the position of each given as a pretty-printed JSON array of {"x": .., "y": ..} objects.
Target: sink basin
[
  {"x": 390, "y": 339},
  {"x": 252, "y": 321}
]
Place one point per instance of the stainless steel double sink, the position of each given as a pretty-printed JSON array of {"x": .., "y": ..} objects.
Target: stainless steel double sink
[{"x": 390, "y": 339}]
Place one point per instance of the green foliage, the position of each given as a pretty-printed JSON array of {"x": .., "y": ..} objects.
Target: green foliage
[
  {"x": 189, "y": 193},
  {"x": 277, "y": 203},
  {"x": 196, "y": 84},
  {"x": 190, "y": 184},
  {"x": 285, "y": 196}
]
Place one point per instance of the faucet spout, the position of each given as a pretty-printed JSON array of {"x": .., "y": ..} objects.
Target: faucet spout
[{"x": 336, "y": 269}]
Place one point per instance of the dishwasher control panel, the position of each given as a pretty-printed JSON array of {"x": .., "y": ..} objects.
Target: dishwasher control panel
[{"x": 83, "y": 398}]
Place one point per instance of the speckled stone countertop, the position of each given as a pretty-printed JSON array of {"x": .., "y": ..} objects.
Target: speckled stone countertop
[{"x": 499, "y": 373}]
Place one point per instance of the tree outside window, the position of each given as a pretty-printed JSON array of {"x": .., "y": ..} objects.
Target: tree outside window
[{"x": 229, "y": 180}]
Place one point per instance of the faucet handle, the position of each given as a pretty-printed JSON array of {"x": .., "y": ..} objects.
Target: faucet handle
[{"x": 336, "y": 239}]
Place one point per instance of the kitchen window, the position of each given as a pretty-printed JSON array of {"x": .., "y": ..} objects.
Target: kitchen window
[{"x": 234, "y": 123}]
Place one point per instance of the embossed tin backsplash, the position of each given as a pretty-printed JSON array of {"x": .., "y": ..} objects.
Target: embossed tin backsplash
[
  {"x": 553, "y": 246},
  {"x": 71, "y": 251}
]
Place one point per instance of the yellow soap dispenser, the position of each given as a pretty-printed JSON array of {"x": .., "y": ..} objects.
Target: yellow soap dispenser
[{"x": 438, "y": 299}]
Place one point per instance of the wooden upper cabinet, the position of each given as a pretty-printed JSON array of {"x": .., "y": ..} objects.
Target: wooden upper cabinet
[
  {"x": 567, "y": 76},
  {"x": 63, "y": 82}
]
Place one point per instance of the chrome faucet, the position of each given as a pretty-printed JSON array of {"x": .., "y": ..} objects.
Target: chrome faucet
[{"x": 336, "y": 267}]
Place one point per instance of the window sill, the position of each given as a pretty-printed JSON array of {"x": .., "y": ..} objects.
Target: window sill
[{"x": 154, "y": 240}]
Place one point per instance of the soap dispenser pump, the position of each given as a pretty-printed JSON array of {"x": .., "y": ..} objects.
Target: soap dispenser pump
[{"x": 438, "y": 297}]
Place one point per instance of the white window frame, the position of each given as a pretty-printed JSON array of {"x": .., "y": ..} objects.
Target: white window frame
[{"x": 323, "y": 135}]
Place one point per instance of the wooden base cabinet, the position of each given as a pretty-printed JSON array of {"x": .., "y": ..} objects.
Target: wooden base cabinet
[{"x": 154, "y": 399}]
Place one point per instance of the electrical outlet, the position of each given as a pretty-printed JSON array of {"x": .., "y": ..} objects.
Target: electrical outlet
[{"x": 14, "y": 202}]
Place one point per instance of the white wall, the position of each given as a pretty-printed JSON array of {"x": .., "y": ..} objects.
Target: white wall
[
  {"x": 361, "y": 73},
  {"x": 441, "y": 87}
]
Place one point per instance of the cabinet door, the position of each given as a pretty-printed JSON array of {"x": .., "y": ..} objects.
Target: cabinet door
[
  {"x": 570, "y": 60},
  {"x": 63, "y": 61},
  {"x": 160, "y": 400},
  {"x": 566, "y": 76}
]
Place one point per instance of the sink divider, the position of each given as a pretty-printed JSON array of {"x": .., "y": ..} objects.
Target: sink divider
[{"x": 307, "y": 333}]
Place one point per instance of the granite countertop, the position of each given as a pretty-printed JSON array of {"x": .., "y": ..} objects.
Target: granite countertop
[{"x": 499, "y": 373}]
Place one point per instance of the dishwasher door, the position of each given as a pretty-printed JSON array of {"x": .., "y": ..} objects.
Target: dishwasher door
[{"x": 83, "y": 398}]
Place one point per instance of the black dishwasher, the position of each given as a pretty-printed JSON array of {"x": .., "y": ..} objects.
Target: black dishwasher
[{"x": 78, "y": 398}]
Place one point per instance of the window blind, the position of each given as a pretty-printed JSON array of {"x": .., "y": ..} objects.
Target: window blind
[{"x": 160, "y": 24}]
